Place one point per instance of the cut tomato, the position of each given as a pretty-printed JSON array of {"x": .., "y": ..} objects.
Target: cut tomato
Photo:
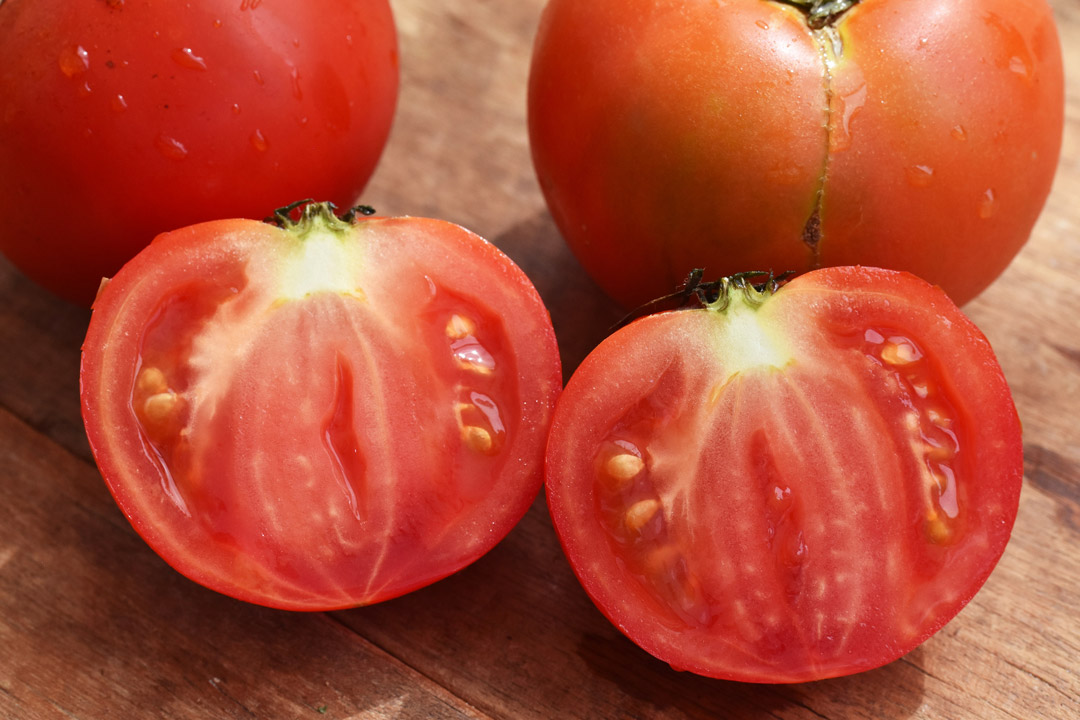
[
  {"x": 324, "y": 414},
  {"x": 788, "y": 484}
]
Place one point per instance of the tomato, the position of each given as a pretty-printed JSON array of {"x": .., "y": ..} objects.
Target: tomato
[
  {"x": 324, "y": 414},
  {"x": 919, "y": 135},
  {"x": 122, "y": 120},
  {"x": 787, "y": 485}
]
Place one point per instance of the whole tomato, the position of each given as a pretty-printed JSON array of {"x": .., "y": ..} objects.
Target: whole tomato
[
  {"x": 920, "y": 135},
  {"x": 120, "y": 120}
]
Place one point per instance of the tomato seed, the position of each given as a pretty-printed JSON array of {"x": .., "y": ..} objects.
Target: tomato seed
[
  {"x": 640, "y": 513},
  {"x": 160, "y": 407},
  {"x": 622, "y": 468},
  {"x": 459, "y": 327},
  {"x": 477, "y": 439},
  {"x": 151, "y": 381}
]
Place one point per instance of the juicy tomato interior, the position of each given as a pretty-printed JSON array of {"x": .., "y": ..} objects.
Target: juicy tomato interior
[
  {"x": 326, "y": 421},
  {"x": 797, "y": 490}
]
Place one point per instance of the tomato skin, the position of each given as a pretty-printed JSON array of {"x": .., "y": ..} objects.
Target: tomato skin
[
  {"x": 733, "y": 137},
  {"x": 804, "y": 489},
  {"x": 312, "y": 419},
  {"x": 123, "y": 120}
]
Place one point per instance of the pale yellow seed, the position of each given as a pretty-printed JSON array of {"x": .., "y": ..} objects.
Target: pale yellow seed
[
  {"x": 641, "y": 513},
  {"x": 623, "y": 468},
  {"x": 160, "y": 406},
  {"x": 477, "y": 438},
  {"x": 151, "y": 381},
  {"x": 459, "y": 327},
  {"x": 899, "y": 353},
  {"x": 936, "y": 530}
]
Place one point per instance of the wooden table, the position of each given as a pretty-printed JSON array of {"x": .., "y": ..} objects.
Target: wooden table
[{"x": 94, "y": 625}]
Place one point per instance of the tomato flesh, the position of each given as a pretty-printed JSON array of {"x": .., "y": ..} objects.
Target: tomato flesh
[
  {"x": 308, "y": 418},
  {"x": 795, "y": 487}
]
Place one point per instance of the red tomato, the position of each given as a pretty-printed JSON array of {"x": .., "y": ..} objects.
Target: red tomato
[
  {"x": 121, "y": 120},
  {"x": 919, "y": 135},
  {"x": 323, "y": 415},
  {"x": 791, "y": 486}
]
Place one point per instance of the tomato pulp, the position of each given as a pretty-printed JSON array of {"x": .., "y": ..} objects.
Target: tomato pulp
[
  {"x": 791, "y": 485},
  {"x": 120, "y": 121},
  {"x": 324, "y": 414},
  {"x": 919, "y": 135}
]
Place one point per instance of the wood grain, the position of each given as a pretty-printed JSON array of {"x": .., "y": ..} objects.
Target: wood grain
[{"x": 94, "y": 625}]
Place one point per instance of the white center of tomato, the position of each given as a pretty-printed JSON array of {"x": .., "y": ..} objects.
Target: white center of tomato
[
  {"x": 322, "y": 261},
  {"x": 745, "y": 342}
]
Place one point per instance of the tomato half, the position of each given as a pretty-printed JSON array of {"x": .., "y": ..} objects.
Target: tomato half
[
  {"x": 122, "y": 120},
  {"x": 919, "y": 135},
  {"x": 324, "y": 414},
  {"x": 787, "y": 486}
]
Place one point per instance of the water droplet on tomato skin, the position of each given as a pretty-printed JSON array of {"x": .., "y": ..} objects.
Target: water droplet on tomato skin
[
  {"x": 258, "y": 141},
  {"x": 170, "y": 147},
  {"x": 762, "y": 24},
  {"x": 74, "y": 60},
  {"x": 958, "y": 133},
  {"x": 186, "y": 57},
  {"x": 118, "y": 103},
  {"x": 988, "y": 204},
  {"x": 920, "y": 176}
]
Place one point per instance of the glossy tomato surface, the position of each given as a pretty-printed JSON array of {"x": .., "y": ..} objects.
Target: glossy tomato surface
[
  {"x": 791, "y": 486},
  {"x": 320, "y": 415},
  {"x": 122, "y": 120},
  {"x": 919, "y": 135}
]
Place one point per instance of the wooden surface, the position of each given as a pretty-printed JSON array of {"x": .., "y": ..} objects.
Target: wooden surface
[{"x": 94, "y": 625}]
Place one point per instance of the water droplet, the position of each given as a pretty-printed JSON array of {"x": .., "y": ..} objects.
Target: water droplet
[
  {"x": 923, "y": 42},
  {"x": 258, "y": 77},
  {"x": 987, "y": 204},
  {"x": 958, "y": 133},
  {"x": 170, "y": 147},
  {"x": 74, "y": 60},
  {"x": 1019, "y": 66},
  {"x": 762, "y": 24},
  {"x": 185, "y": 57},
  {"x": 236, "y": 108},
  {"x": 258, "y": 141},
  {"x": 85, "y": 90},
  {"x": 920, "y": 175},
  {"x": 846, "y": 106},
  {"x": 218, "y": 23},
  {"x": 297, "y": 92},
  {"x": 118, "y": 103}
]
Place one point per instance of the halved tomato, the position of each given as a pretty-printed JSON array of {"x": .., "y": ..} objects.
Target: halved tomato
[
  {"x": 322, "y": 413},
  {"x": 791, "y": 482}
]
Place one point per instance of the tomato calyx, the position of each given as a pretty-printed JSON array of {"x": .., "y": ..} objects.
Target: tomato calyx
[
  {"x": 756, "y": 286},
  {"x": 315, "y": 213},
  {"x": 822, "y": 13}
]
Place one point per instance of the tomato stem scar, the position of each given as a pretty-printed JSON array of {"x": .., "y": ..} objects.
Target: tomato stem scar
[{"x": 820, "y": 13}]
